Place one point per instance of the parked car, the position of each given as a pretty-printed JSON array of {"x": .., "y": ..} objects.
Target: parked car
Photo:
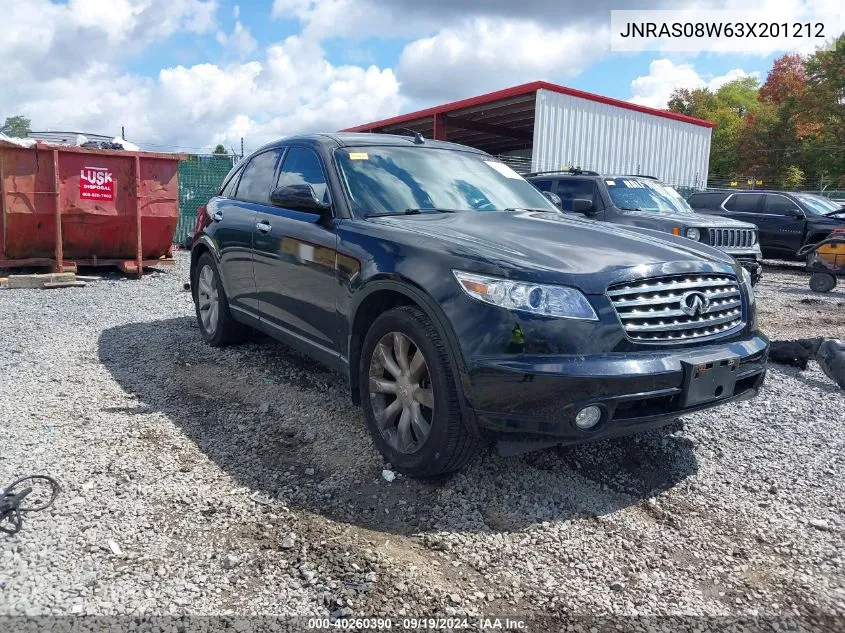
[
  {"x": 786, "y": 221},
  {"x": 645, "y": 201},
  {"x": 461, "y": 305}
]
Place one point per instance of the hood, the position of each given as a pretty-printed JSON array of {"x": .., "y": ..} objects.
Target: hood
[
  {"x": 688, "y": 220},
  {"x": 706, "y": 221},
  {"x": 557, "y": 248},
  {"x": 830, "y": 220}
]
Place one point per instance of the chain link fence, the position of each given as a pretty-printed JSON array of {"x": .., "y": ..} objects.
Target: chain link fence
[{"x": 200, "y": 177}]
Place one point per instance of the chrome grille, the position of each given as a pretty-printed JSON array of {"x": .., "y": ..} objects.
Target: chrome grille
[
  {"x": 732, "y": 238},
  {"x": 678, "y": 308}
]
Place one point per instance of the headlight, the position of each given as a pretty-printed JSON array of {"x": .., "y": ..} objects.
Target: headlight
[
  {"x": 749, "y": 289},
  {"x": 554, "y": 301},
  {"x": 693, "y": 234}
]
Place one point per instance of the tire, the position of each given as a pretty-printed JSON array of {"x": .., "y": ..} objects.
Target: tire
[
  {"x": 822, "y": 282},
  {"x": 206, "y": 285},
  {"x": 422, "y": 392}
]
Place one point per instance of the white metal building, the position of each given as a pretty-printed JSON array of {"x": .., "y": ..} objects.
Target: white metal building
[{"x": 542, "y": 126}]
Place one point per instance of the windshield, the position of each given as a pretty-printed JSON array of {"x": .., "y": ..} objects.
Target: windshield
[
  {"x": 396, "y": 179},
  {"x": 817, "y": 205},
  {"x": 644, "y": 194}
]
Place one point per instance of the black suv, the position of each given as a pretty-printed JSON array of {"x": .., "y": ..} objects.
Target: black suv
[
  {"x": 645, "y": 201},
  {"x": 462, "y": 305},
  {"x": 785, "y": 220}
]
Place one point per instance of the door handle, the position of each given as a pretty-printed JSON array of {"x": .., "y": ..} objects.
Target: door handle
[
  {"x": 263, "y": 226},
  {"x": 218, "y": 216}
]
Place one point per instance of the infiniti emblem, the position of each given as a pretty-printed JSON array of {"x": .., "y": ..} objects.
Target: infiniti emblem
[{"x": 695, "y": 303}]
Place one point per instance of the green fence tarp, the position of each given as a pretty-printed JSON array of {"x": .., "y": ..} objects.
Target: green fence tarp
[{"x": 200, "y": 177}]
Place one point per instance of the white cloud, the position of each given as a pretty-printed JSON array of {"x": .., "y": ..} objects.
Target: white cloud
[
  {"x": 664, "y": 76},
  {"x": 293, "y": 89},
  {"x": 290, "y": 88},
  {"x": 485, "y": 54},
  {"x": 240, "y": 40}
]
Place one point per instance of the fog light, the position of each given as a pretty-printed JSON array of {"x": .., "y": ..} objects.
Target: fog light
[{"x": 588, "y": 417}]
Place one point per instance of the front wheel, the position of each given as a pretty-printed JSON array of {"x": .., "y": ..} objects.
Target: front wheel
[{"x": 409, "y": 396}]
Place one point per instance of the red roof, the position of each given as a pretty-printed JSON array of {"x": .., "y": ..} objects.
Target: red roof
[{"x": 525, "y": 89}]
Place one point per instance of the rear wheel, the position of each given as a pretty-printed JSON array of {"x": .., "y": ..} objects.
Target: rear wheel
[
  {"x": 409, "y": 396},
  {"x": 822, "y": 282},
  {"x": 215, "y": 320}
]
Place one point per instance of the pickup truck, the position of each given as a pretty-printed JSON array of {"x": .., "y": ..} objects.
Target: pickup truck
[{"x": 786, "y": 221}]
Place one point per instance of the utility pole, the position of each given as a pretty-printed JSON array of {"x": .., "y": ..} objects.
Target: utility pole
[
  {"x": 122, "y": 132},
  {"x": 242, "y": 147}
]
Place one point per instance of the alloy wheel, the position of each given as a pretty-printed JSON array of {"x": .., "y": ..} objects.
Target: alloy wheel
[
  {"x": 401, "y": 392},
  {"x": 207, "y": 299}
]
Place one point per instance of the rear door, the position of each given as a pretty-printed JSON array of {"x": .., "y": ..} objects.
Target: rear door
[
  {"x": 786, "y": 223},
  {"x": 235, "y": 218},
  {"x": 295, "y": 254},
  {"x": 230, "y": 225},
  {"x": 746, "y": 207}
]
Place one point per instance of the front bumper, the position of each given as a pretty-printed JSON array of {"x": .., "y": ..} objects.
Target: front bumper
[
  {"x": 537, "y": 397},
  {"x": 752, "y": 261}
]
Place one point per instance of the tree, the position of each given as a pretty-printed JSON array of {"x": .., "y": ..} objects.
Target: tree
[
  {"x": 786, "y": 80},
  {"x": 16, "y": 126},
  {"x": 727, "y": 107},
  {"x": 739, "y": 95},
  {"x": 696, "y": 103},
  {"x": 789, "y": 132},
  {"x": 824, "y": 103},
  {"x": 220, "y": 150},
  {"x": 793, "y": 177}
]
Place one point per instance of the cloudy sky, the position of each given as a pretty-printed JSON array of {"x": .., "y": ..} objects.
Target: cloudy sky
[{"x": 189, "y": 74}]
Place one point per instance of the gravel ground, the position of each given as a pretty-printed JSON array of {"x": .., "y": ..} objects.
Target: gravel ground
[{"x": 241, "y": 481}]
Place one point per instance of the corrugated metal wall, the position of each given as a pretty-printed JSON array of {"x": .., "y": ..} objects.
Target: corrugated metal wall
[{"x": 574, "y": 132}]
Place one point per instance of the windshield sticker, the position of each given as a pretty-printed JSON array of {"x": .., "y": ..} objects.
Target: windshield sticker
[
  {"x": 503, "y": 169},
  {"x": 610, "y": 183},
  {"x": 359, "y": 156},
  {"x": 633, "y": 184}
]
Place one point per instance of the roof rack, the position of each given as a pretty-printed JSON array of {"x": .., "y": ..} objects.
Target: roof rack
[{"x": 574, "y": 171}]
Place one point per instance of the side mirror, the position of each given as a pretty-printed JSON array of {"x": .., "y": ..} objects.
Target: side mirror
[
  {"x": 554, "y": 199},
  {"x": 795, "y": 213},
  {"x": 299, "y": 198},
  {"x": 583, "y": 205}
]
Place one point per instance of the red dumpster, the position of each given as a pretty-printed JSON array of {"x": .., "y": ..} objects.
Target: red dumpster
[{"x": 63, "y": 206}]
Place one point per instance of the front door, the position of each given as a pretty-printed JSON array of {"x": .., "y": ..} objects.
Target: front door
[
  {"x": 785, "y": 223},
  {"x": 295, "y": 256}
]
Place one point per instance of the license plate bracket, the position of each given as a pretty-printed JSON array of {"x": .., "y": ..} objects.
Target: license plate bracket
[{"x": 708, "y": 378}]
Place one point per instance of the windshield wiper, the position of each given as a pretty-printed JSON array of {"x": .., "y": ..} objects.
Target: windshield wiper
[
  {"x": 834, "y": 212},
  {"x": 410, "y": 212},
  {"x": 533, "y": 210},
  {"x": 631, "y": 208}
]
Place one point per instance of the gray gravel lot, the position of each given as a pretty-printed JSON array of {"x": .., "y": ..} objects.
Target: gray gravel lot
[{"x": 242, "y": 481}]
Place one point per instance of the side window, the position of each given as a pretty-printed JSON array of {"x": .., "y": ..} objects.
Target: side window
[
  {"x": 744, "y": 202},
  {"x": 257, "y": 177},
  {"x": 229, "y": 190},
  {"x": 706, "y": 200},
  {"x": 303, "y": 166},
  {"x": 778, "y": 205},
  {"x": 570, "y": 188},
  {"x": 543, "y": 185}
]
